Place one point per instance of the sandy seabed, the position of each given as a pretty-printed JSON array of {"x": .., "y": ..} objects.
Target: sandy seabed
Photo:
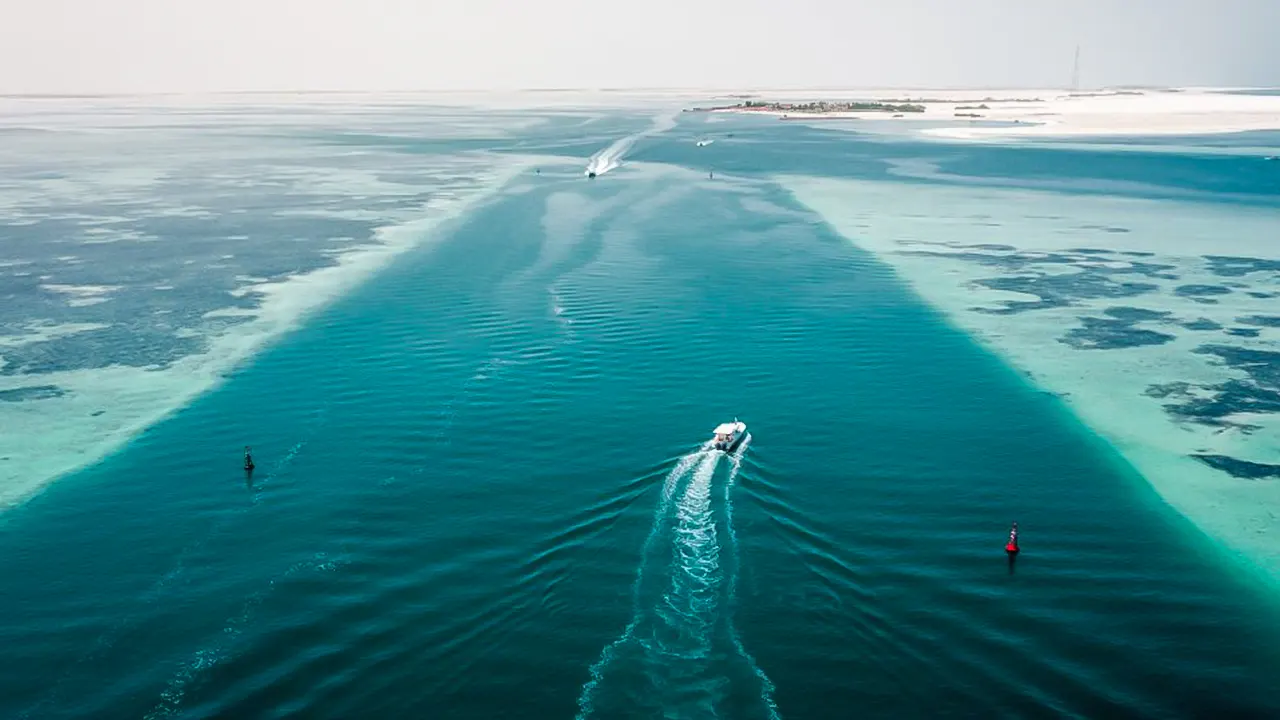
[{"x": 1113, "y": 305}]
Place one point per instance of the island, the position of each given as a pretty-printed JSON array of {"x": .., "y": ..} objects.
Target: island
[
  {"x": 815, "y": 108},
  {"x": 853, "y": 109},
  {"x": 970, "y": 114}
]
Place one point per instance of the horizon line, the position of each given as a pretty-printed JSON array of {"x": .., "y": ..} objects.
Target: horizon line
[{"x": 602, "y": 90}]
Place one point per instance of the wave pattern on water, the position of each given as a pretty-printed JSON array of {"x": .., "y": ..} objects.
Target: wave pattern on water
[
  {"x": 611, "y": 157},
  {"x": 166, "y": 335},
  {"x": 676, "y": 656},
  {"x": 204, "y": 659},
  {"x": 165, "y": 584},
  {"x": 480, "y": 470},
  {"x": 766, "y": 685}
]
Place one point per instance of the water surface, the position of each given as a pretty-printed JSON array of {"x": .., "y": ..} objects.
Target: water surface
[{"x": 480, "y": 490}]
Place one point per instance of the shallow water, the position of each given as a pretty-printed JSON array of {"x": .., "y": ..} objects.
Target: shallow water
[{"x": 480, "y": 491}]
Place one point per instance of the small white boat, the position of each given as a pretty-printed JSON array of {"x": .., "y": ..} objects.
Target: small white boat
[{"x": 729, "y": 435}]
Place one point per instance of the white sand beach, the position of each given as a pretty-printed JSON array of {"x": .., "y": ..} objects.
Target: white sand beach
[{"x": 1054, "y": 113}]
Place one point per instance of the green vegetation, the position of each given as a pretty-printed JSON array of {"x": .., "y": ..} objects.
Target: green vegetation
[{"x": 827, "y": 107}]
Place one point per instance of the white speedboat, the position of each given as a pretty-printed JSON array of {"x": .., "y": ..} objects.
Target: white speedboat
[{"x": 729, "y": 435}]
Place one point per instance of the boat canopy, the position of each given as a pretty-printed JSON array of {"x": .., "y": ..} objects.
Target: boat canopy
[{"x": 726, "y": 428}]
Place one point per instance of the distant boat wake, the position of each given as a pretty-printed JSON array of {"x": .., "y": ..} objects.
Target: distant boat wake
[
  {"x": 680, "y": 656},
  {"x": 158, "y": 591},
  {"x": 611, "y": 157}
]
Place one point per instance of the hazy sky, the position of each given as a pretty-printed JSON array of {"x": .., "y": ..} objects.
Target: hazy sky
[{"x": 55, "y": 46}]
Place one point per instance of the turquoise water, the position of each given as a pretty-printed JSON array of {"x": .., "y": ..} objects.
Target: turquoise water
[{"x": 481, "y": 491}]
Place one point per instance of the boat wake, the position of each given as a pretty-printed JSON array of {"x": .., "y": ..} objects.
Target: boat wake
[
  {"x": 766, "y": 685},
  {"x": 611, "y": 157},
  {"x": 564, "y": 322},
  {"x": 159, "y": 590},
  {"x": 680, "y": 656},
  {"x": 492, "y": 369},
  {"x": 221, "y": 648}
]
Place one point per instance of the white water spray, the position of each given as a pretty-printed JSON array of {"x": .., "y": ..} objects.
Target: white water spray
[
  {"x": 695, "y": 563},
  {"x": 611, "y": 157},
  {"x": 679, "y": 647},
  {"x": 585, "y": 698},
  {"x": 766, "y": 685},
  {"x": 672, "y": 638}
]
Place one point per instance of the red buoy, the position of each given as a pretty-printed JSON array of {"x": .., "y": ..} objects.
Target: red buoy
[{"x": 1012, "y": 546}]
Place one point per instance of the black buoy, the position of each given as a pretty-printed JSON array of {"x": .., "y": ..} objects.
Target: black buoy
[{"x": 248, "y": 459}]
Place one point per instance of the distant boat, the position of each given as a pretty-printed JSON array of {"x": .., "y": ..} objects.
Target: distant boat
[
  {"x": 729, "y": 435},
  {"x": 591, "y": 174},
  {"x": 704, "y": 143}
]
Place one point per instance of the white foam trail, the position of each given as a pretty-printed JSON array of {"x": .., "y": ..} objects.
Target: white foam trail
[
  {"x": 681, "y": 646},
  {"x": 696, "y": 560},
  {"x": 280, "y": 465},
  {"x": 219, "y": 650},
  {"x": 682, "y": 467},
  {"x": 108, "y": 638},
  {"x": 491, "y": 369},
  {"x": 766, "y": 685},
  {"x": 677, "y": 633},
  {"x": 611, "y": 157},
  {"x": 558, "y": 313}
]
